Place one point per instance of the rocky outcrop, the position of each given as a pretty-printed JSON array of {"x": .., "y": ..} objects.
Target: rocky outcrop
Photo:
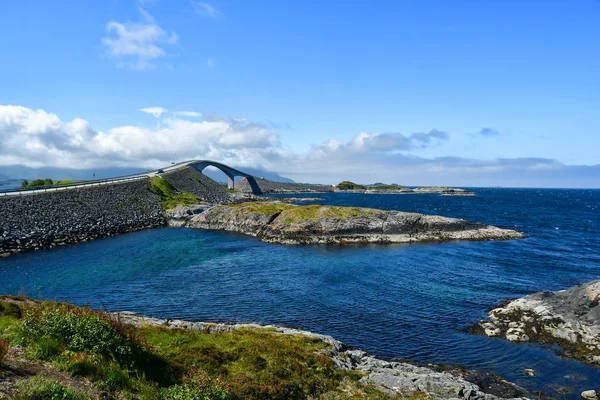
[
  {"x": 568, "y": 318},
  {"x": 441, "y": 190},
  {"x": 269, "y": 187},
  {"x": 190, "y": 180},
  {"x": 44, "y": 220},
  {"x": 393, "y": 377},
  {"x": 315, "y": 224}
]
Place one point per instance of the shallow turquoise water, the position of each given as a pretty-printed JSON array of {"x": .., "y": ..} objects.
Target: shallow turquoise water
[{"x": 395, "y": 301}]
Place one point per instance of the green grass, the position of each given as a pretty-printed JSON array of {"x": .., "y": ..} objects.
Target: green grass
[
  {"x": 65, "y": 182},
  {"x": 169, "y": 196},
  {"x": 261, "y": 208},
  {"x": 160, "y": 363},
  {"x": 41, "y": 388},
  {"x": 313, "y": 213},
  {"x": 48, "y": 182},
  {"x": 348, "y": 185}
]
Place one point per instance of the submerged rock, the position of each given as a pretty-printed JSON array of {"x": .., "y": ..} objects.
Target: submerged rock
[
  {"x": 568, "y": 318},
  {"x": 315, "y": 224}
]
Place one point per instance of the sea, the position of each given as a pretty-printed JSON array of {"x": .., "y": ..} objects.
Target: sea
[{"x": 394, "y": 301}]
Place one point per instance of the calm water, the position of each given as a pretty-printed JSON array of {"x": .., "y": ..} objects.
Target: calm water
[{"x": 395, "y": 301}]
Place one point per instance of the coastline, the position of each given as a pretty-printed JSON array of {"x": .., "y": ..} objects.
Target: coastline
[{"x": 404, "y": 378}]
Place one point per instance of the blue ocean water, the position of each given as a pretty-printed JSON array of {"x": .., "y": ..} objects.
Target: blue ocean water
[{"x": 405, "y": 301}]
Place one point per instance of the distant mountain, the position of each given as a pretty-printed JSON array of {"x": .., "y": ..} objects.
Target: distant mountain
[
  {"x": 272, "y": 176},
  {"x": 22, "y": 172}
]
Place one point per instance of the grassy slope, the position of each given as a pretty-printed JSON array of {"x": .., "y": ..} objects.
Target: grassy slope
[
  {"x": 316, "y": 212},
  {"x": 160, "y": 363},
  {"x": 168, "y": 195},
  {"x": 299, "y": 214}
]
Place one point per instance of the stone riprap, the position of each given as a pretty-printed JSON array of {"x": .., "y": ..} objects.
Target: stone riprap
[
  {"x": 568, "y": 318},
  {"x": 191, "y": 180},
  {"x": 393, "y": 377},
  {"x": 288, "y": 224},
  {"x": 270, "y": 187},
  {"x": 44, "y": 220}
]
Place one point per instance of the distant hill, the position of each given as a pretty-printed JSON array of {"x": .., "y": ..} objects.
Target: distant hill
[{"x": 13, "y": 172}]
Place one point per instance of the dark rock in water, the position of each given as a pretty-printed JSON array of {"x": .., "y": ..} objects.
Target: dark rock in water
[{"x": 568, "y": 318}]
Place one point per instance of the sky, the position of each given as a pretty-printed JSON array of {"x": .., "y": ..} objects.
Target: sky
[{"x": 464, "y": 93}]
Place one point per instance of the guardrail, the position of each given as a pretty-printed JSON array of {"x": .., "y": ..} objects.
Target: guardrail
[{"x": 97, "y": 182}]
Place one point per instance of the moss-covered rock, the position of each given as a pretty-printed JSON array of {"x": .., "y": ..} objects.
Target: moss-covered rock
[{"x": 315, "y": 224}]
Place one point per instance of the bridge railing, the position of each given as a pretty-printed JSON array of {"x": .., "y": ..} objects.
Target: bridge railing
[{"x": 53, "y": 188}]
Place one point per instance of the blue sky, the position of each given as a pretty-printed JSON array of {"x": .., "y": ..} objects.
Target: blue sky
[{"x": 277, "y": 84}]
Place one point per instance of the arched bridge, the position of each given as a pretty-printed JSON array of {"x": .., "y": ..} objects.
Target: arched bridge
[
  {"x": 197, "y": 164},
  {"x": 227, "y": 170}
]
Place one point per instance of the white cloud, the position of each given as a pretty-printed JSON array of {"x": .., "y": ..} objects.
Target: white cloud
[
  {"x": 156, "y": 111},
  {"x": 37, "y": 138},
  {"x": 211, "y": 62},
  {"x": 193, "y": 114},
  {"x": 205, "y": 9},
  {"x": 137, "y": 44}
]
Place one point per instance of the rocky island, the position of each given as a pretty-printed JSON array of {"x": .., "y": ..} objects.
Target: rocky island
[
  {"x": 567, "y": 318},
  {"x": 441, "y": 190},
  {"x": 276, "y": 222}
]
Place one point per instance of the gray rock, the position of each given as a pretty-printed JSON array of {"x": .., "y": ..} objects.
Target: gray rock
[
  {"x": 569, "y": 318},
  {"x": 589, "y": 395}
]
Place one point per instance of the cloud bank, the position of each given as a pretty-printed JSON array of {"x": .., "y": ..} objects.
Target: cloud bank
[{"x": 37, "y": 138}]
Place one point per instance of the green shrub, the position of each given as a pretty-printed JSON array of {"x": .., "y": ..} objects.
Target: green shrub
[
  {"x": 191, "y": 392},
  {"x": 10, "y": 310},
  {"x": 77, "y": 329},
  {"x": 348, "y": 185},
  {"x": 40, "y": 388},
  {"x": 169, "y": 196},
  {"x": 45, "y": 348}
]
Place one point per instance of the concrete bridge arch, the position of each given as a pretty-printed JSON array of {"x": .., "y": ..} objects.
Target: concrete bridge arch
[{"x": 227, "y": 170}]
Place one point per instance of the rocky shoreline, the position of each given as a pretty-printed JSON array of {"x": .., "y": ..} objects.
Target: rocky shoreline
[
  {"x": 393, "y": 377},
  {"x": 567, "y": 318},
  {"x": 315, "y": 224}
]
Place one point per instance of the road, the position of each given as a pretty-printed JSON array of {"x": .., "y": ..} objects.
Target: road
[{"x": 100, "y": 182}]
